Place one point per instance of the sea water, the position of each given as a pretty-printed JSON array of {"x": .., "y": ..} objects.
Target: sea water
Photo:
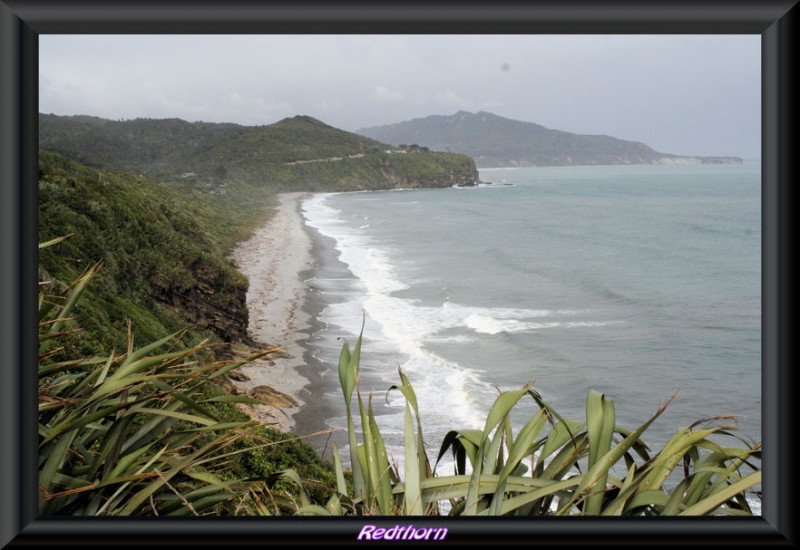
[{"x": 636, "y": 281}]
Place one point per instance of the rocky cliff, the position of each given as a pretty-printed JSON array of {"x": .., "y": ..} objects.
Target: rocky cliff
[
  {"x": 450, "y": 179},
  {"x": 214, "y": 303}
]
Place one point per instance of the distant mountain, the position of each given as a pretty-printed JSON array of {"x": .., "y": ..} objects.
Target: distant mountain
[
  {"x": 495, "y": 141},
  {"x": 297, "y": 153}
]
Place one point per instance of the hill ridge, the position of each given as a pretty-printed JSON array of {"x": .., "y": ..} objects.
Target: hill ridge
[
  {"x": 495, "y": 141},
  {"x": 223, "y": 157}
]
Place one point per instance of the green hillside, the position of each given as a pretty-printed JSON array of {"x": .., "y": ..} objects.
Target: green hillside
[
  {"x": 144, "y": 146},
  {"x": 298, "y": 153},
  {"x": 496, "y": 141},
  {"x": 161, "y": 267},
  {"x": 161, "y": 241},
  {"x": 304, "y": 154}
]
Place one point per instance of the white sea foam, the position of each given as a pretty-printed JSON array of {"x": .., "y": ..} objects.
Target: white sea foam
[
  {"x": 491, "y": 325},
  {"x": 400, "y": 323},
  {"x": 449, "y": 393}
]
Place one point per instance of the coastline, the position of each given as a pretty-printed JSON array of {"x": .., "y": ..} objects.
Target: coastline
[
  {"x": 312, "y": 418},
  {"x": 275, "y": 260}
]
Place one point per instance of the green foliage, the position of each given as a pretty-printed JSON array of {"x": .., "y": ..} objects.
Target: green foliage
[
  {"x": 120, "y": 434},
  {"x": 154, "y": 244},
  {"x": 304, "y": 154},
  {"x": 552, "y": 466},
  {"x": 147, "y": 431},
  {"x": 230, "y": 166},
  {"x": 144, "y": 146},
  {"x": 270, "y": 452}
]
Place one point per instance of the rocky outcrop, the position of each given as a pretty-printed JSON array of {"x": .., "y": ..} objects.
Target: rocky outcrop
[
  {"x": 453, "y": 178},
  {"x": 273, "y": 398},
  {"x": 214, "y": 303},
  {"x": 698, "y": 160}
]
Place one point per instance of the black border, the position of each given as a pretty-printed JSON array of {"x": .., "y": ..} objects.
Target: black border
[{"x": 21, "y": 21}]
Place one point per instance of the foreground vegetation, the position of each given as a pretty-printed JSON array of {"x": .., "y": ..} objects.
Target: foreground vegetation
[
  {"x": 147, "y": 431},
  {"x": 552, "y": 466}
]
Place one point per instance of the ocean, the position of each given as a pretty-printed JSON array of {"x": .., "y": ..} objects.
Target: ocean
[{"x": 636, "y": 281}]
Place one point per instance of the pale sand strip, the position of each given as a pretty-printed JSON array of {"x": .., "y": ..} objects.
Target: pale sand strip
[{"x": 272, "y": 259}]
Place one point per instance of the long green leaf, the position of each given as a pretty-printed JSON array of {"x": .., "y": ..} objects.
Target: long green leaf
[
  {"x": 605, "y": 462},
  {"x": 341, "y": 486},
  {"x": 600, "y": 420},
  {"x": 180, "y": 416},
  {"x": 712, "y": 502},
  {"x": 413, "y": 493},
  {"x": 671, "y": 454},
  {"x": 501, "y": 407}
]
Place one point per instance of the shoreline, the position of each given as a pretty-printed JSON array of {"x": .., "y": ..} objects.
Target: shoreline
[
  {"x": 312, "y": 417},
  {"x": 277, "y": 260}
]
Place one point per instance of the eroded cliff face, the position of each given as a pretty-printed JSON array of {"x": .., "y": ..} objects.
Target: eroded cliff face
[
  {"x": 215, "y": 302},
  {"x": 453, "y": 178},
  {"x": 699, "y": 160}
]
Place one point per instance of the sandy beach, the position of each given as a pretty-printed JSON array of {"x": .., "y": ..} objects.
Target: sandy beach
[{"x": 273, "y": 260}]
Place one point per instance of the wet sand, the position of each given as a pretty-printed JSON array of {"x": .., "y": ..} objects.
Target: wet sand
[{"x": 313, "y": 416}]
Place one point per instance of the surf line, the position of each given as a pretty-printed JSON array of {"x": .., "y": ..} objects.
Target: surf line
[{"x": 401, "y": 532}]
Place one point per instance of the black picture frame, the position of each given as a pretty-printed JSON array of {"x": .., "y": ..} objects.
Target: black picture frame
[{"x": 21, "y": 21}]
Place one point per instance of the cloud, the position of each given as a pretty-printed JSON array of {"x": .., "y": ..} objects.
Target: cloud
[
  {"x": 244, "y": 108},
  {"x": 706, "y": 88},
  {"x": 450, "y": 99},
  {"x": 382, "y": 93}
]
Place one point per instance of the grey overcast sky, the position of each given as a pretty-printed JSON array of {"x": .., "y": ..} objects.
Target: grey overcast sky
[{"x": 691, "y": 95}]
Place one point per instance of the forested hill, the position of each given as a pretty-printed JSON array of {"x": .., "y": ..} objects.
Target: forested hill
[
  {"x": 497, "y": 141},
  {"x": 163, "y": 262},
  {"x": 145, "y": 146},
  {"x": 298, "y": 153}
]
